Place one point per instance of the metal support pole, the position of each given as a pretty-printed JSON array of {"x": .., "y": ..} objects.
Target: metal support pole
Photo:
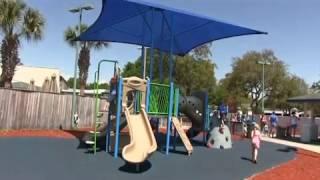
[
  {"x": 119, "y": 109},
  {"x": 157, "y": 130},
  {"x": 171, "y": 50},
  {"x": 174, "y": 138},
  {"x": 161, "y": 58},
  {"x": 115, "y": 69},
  {"x": 151, "y": 49},
  {"x": 148, "y": 96},
  {"x": 262, "y": 106},
  {"x": 263, "y": 63},
  {"x": 204, "y": 116},
  {"x": 110, "y": 61},
  {"x": 175, "y": 113},
  {"x": 74, "y": 98},
  {"x": 96, "y": 85},
  {"x": 108, "y": 133},
  {"x": 143, "y": 62},
  {"x": 171, "y": 89},
  {"x": 97, "y": 79},
  {"x": 169, "y": 118}
]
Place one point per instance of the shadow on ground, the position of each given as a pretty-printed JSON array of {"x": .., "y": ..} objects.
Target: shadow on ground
[
  {"x": 287, "y": 149},
  {"x": 136, "y": 168},
  {"x": 246, "y": 159}
]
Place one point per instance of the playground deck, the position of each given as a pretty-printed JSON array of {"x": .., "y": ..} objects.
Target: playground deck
[{"x": 51, "y": 158}]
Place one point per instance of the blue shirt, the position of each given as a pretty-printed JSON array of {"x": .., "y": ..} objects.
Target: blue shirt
[
  {"x": 222, "y": 108},
  {"x": 273, "y": 119}
]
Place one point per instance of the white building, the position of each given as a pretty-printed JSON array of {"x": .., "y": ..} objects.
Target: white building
[{"x": 25, "y": 75}]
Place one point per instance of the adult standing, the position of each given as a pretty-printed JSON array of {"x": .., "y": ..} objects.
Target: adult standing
[
  {"x": 293, "y": 124},
  {"x": 263, "y": 122},
  {"x": 223, "y": 113},
  {"x": 274, "y": 124}
]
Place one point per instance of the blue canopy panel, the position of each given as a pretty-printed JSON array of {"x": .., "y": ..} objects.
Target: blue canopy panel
[{"x": 138, "y": 22}]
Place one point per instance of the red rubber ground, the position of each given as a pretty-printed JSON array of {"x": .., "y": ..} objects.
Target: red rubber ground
[{"x": 306, "y": 166}]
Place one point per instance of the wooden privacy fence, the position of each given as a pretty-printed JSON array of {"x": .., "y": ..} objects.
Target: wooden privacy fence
[{"x": 38, "y": 110}]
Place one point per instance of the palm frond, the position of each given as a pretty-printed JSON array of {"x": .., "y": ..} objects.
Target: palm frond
[
  {"x": 33, "y": 25},
  {"x": 83, "y": 28},
  {"x": 11, "y": 14},
  {"x": 98, "y": 45},
  {"x": 71, "y": 33}
]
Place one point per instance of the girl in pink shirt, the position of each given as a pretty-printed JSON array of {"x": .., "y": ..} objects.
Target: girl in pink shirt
[{"x": 255, "y": 141}]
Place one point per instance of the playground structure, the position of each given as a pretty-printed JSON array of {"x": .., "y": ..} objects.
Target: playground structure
[
  {"x": 168, "y": 30},
  {"x": 135, "y": 100},
  {"x": 157, "y": 106}
]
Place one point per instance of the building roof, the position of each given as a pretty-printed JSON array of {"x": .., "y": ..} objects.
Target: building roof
[
  {"x": 309, "y": 98},
  {"x": 26, "y": 74}
]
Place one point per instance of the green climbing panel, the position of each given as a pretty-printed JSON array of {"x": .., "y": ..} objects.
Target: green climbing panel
[{"x": 159, "y": 100}]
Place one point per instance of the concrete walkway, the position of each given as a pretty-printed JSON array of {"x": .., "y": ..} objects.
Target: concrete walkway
[{"x": 309, "y": 147}]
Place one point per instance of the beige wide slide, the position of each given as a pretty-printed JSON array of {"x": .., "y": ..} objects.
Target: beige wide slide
[{"x": 142, "y": 140}]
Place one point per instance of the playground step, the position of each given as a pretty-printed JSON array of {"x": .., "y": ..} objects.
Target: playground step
[
  {"x": 103, "y": 112},
  {"x": 99, "y": 122},
  {"x": 100, "y": 114},
  {"x": 183, "y": 135},
  {"x": 92, "y": 132},
  {"x": 89, "y": 142}
]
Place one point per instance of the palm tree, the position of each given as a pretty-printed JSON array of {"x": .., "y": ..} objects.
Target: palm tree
[
  {"x": 84, "y": 57},
  {"x": 16, "y": 21}
]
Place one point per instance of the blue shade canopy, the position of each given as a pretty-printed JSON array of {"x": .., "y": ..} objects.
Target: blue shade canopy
[{"x": 140, "y": 22}]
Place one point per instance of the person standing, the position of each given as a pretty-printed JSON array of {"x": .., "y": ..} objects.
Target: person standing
[
  {"x": 263, "y": 122},
  {"x": 223, "y": 113},
  {"x": 255, "y": 142},
  {"x": 274, "y": 123},
  {"x": 234, "y": 122},
  {"x": 293, "y": 124}
]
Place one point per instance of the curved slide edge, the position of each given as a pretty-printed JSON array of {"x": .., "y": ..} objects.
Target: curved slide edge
[{"x": 142, "y": 140}]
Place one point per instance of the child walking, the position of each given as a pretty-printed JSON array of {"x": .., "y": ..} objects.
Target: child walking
[{"x": 255, "y": 142}]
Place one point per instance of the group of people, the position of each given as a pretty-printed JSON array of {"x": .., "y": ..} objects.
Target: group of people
[
  {"x": 273, "y": 124},
  {"x": 273, "y": 119}
]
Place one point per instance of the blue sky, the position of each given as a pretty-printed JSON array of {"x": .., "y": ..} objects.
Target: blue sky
[{"x": 293, "y": 27}]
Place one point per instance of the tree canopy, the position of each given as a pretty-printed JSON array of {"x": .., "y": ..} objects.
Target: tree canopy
[
  {"x": 84, "y": 57},
  {"x": 191, "y": 72},
  {"x": 17, "y": 22},
  {"x": 244, "y": 83},
  {"x": 291, "y": 86}
]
